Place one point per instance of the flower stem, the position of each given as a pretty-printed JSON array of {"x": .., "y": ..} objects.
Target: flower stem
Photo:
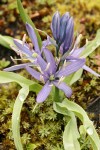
[
  {"x": 57, "y": 51},
  {"x": 56, "y": 95}
]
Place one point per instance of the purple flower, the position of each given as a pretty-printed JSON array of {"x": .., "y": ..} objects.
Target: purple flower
[
  {"x": 62, "y": 30},
  {"x": 75, "y": 54},
  {"x": 26, "y": 50},
  {"x": 50, "y": 74}
]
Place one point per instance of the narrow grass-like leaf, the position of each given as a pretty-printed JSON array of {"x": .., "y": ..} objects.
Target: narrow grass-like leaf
[
  {"x": 87, "y": 123},
  {"x": 23, "y": 93},
  {"x": 27, "y": 19},
  {"x": 6, "y": 41},
  {"x": 27, "y": 85},
  {"x": 70, "y": 139},
  {"x": 6, "y": 77},
  {"x": 71, "y": 134}
]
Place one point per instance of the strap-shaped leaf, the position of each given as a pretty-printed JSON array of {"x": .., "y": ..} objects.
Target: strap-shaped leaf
[
  {"x": 87, "y": 123},
  {"x": 70, "y": 138},
  {"x": 6, "y": 77},
  {"x": 6, "y": 41},
  {"x": 71, "y": 134},
  {"x": 27, "y": 85},
  {"x": 23, "y": 93},
  {"x": 27, "y": 19}
]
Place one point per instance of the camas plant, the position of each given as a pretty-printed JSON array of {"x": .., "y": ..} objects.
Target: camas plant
[{"x": 52, "y": 71}]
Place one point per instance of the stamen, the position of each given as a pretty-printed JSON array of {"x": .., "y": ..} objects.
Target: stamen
[
  {"x": 41, "y": 31},
  {"x": 13, "y": 60},
  {"x": 30, "y": 46},
  {"x": 47, "y": 67},
  {"x": 61, "y": 79},
  {"x": 77, "y": 41},
  {"x": 57, "y": 60},
  {"x": 87, "y": 41},
  {"x": 79, "y": 38},
  {"x": 42, "y": 79},
  {"x": 23, "y": 39},
  {"x": 65, "y": 64},
  {"x": 38, "y": 67},
  {"x": 15, "y": 49}
]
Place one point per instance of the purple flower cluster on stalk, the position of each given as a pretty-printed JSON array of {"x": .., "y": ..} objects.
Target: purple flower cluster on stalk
[{"x": 43, "y": 66}]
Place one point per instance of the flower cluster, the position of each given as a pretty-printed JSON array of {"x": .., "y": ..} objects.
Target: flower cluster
[{"x": 42, "y": 65}]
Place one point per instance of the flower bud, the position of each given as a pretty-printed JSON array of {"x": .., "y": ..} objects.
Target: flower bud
[
  {"x": 68, "y": 35},
  {"x": 63, "y": 24},
  {"x": 55, "y": 26}
]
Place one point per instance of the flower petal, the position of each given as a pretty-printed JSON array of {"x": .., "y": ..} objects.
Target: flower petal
[
  {"x": 65, "y": 88},
  {"x": 41, "y": 63},
  {"x": 43, "y": 94},
  {"x": 50, "y": 59},
  {"x": 46, "y": 42},
  {"x": 33, "y": 37},
  {"x": 63, "y": 24},
  {"x": 55, "y": 25},
  {"x": 70, "y": 68},
  {"x": 71, "y": 58},
  {"x": 90, "y": 70},
  {"x": 17, "y": 67},
  {"x": 33, "y": 72},
  {"x": 77, "y": 52},
  {"x": 22, "y": 47},
  {"x": 69, "y": 35}
]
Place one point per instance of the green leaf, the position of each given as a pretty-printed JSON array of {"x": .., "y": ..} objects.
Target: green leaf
[
  {"x": 27, "y": 19},
  {"x": 23, "y": 93},
  {"x": 27, "y": 85},
  {"x": 35, "y": 87},
  {"x": 87, "y": 123},
  {"x": 73, "y": 77},
  {"x": 92, "y": 45},
  {"x": 6, "y": 77},
  {"x": 71, "y": 134},
  {"x": 6, "y": 41}
]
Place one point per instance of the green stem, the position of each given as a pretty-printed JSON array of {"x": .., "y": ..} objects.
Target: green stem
[
  {"x": 56, "y": 95},
  {"x": 57, "y": 51},
  {"x": 85, "y": 142}
]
